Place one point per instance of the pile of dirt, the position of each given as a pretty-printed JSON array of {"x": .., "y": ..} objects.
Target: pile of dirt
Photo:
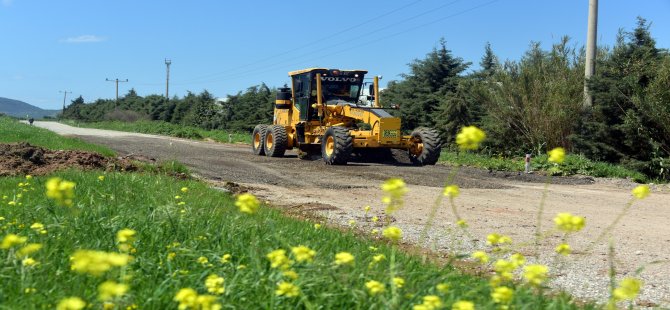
[{"x": 23, "y": 158}]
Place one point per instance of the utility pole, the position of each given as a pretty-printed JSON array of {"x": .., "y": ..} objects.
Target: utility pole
[
  {"x": 64, "y": 92},
  {"x": 116, "y": 104},
  {"x": 590, "y": 50},
  {"x": 168, "y": 62}
]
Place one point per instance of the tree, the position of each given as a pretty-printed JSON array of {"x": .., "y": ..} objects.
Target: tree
[{"x": 430, "y": 80}]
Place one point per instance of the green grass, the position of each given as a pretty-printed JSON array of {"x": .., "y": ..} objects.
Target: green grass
[
  {"x": 167, "y": 129},
  {"x": 12, "y": 131},
  {"x": 209, "y": 226},
  {"x": 573, "y": 164}
]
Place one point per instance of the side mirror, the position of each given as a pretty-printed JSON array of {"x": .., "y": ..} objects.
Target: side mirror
[{"x": 371, "y": 90}]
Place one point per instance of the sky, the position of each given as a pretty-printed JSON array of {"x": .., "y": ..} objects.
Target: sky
[{"x": 51, "y": 46}]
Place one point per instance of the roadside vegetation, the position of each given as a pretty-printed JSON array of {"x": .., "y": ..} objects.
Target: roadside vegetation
[
  {"x": 525, "y": 105},
  {"x": 11, "y": 131},
  {"x": 167, "y": 129}
]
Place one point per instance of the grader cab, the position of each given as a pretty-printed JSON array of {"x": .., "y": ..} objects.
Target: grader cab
[{"x": 321, "y": 113}]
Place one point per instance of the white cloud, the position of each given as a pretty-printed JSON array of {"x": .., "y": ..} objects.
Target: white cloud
[
  {"x": 87, "y": 38},
  {"x": 7, "y": 2}
]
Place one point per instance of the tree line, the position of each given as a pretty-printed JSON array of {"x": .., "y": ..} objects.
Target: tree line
[{"x": 528, "y": 105}]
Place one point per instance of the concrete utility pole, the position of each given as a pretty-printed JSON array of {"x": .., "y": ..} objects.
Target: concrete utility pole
[
  {"x": 590, "y": 50},
  {"x": 116, "y": 104},
  {"x": 64, "y": 92},
  {"x": 168, "y": 62}
]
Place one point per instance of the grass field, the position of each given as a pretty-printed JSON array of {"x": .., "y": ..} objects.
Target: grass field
[
  {"x": 12, "y": 131},
  {"x": 181, "y": 238}
]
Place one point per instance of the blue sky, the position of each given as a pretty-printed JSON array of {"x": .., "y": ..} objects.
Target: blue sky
[{"x": 226, "y": 46}]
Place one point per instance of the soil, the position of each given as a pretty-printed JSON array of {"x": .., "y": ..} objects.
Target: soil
[
  {"x": 491, "y": 201},
  {"x": 23, "y": 158}
]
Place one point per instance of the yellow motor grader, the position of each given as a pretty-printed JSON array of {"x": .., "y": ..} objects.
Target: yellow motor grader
[{"x": 321, "y": 113}]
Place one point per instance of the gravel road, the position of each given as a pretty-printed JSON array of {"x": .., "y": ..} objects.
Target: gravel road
[{"x": 506, "y": 203}]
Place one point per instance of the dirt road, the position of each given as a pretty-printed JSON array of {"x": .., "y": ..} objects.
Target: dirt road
[{"x": 506, "y": 203}]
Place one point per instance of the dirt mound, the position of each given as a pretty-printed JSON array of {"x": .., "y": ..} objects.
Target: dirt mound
[{"x": 23, "y": 158}]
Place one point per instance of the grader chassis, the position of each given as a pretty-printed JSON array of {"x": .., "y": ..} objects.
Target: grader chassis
[{"x": 320, "y": 114}]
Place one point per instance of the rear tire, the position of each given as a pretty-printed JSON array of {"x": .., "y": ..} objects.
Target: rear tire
[
  {"x": 337, "y": 146},
  {"x": 275, "y": 141},
  {"x": 425, "y": 146},
  {"x": 257, "y": 137}
]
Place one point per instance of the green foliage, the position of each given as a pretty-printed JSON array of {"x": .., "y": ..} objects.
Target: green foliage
[
  {"x": 629, "y": 121},
  {"x": 13, "y": 131},
  {"x": 424, "y": 93}
]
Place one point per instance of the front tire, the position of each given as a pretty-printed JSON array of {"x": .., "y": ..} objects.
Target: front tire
[
  {"x": 276, "y": 141},
  {"x": 337, "y": 146},
  {"x": 257, "y": 139},
  {"x": 425, "y": 146}
]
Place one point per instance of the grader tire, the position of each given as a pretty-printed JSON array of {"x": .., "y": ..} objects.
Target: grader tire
[
  {"x": 275, "y": 141},
  {"x": 337, "y": 146},
  {"x": 257, "y": 137},
  {"x": 425, "y": 146}
]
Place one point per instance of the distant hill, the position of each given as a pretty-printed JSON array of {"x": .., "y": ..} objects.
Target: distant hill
[{"x": 18, "y": 108}]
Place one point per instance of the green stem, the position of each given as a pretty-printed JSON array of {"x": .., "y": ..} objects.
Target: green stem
[
  {"x": 538, "y": 231},
  {"x": 611, "y": 226}
]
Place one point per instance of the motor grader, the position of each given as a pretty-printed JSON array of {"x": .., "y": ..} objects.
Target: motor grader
[{"x": 320, "y": 113}]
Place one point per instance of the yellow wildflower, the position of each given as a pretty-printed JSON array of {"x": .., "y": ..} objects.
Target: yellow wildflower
[
  {"x": 352, "y": 222},
  {"x": 394, "y": 187},
  {"x": 61, "y": 191},
  {"x": 278, "y": 259},
  {"x": 462, "y": 223},
  {"x": 125, "y": 235},
  {"x": 28, "y": 249},
  {"x": 12, "y": 203},
  {"x": 430, "y": 302},
  {"x": 12, "y": 240},
  {"x": 502, "y": 295},
  {"x": 344, "y": 258},
  {"x": 109, "y": 290},
  {"x": 29, "y": 290},
  {"x": 226, "y": 258},
  {"x": 374, "y": 231},
  {"x": 287, "y": 289},
  {"x": 627, "y": 290},
  {"x": 504, "y": 267},
  {"x": 184, "y": 189},
  {"x": 463, "y": 305},
  {"x": 563, "y": 249},
  {"x": 641, "y": 191},
  {"x": 497, "y": 239},
  {"x": 480, "y": 256},
  {"x": 37, "y": 227},
  {"x": 367, "y": 209},
  {"x": 28, "y": 262},
  {"x": 303, "y": 253},
  {"x": 393, "y": 233},
  {"x": 399, "y": 282},
  {"x": 535, "y": 274},
  {"x": 29, "y": 177},
  {"x": 378, "y": 258},
  {"x": 517, "y": 259},
  {"x": 557, "y": 155},
  {"x": 177, "y": 197},
  {"x": 71, "y": 303},
  {"x": 374, "y": 287},
  {"x": 317, "y": 226},
  {"x": 451, "y": 191},
  {"x": 568, "y": 222},
  {"x": 207, "y": 302},
  {"x": 290, "y": 274},
  {"x": 247, "y": 203},
  {"x": 101, "y": 178},
  {"x": 171, "y": 255},
  {"x": 187, "y": 298},
  {"x": 375, "y": 219},
  {"x": 214, "y": 284},
  {"x": 443, "y": 288},
  {"x": 469, "y": 138},
  {"x": 203, "y": 260},
  {"x": 97, "y": 262}
]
